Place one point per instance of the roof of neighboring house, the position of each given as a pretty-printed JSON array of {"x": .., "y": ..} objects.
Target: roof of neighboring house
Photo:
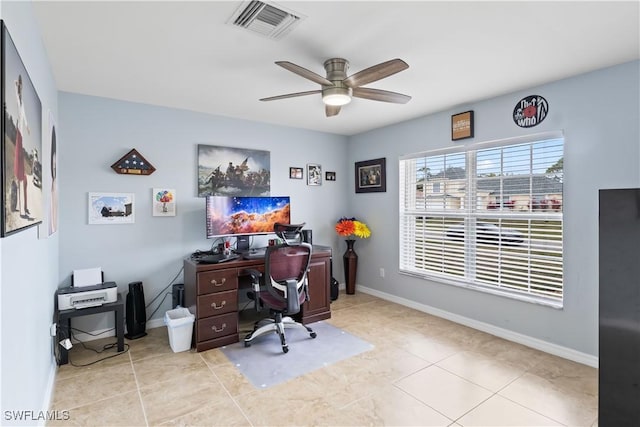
[{"x": 515, "y": 185}]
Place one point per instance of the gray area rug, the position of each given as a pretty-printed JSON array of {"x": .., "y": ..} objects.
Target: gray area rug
[{"x": 265, "y": 365}]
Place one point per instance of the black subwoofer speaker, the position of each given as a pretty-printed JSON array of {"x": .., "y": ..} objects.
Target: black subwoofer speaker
[
  {"x": 177, "y": 293},
  {"x": 136, "y": 313}
]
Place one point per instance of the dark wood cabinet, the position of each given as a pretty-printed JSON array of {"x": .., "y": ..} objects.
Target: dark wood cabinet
[{"x": 211, "y": 294}]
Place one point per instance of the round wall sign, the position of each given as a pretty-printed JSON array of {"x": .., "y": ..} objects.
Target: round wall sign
[{"x": 530, "y": 111}]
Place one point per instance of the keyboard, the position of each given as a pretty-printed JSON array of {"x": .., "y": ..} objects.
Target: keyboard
[{"x": 216, "y": 258}]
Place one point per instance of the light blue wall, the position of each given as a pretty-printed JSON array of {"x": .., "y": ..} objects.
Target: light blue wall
[
  {"x": 98, "y": 131},
  {"x": 29, "y": 267},
  {"x": 599, "y": 114}
]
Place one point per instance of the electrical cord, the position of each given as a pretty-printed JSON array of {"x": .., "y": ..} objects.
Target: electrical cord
[
  {"x": 161, "y": 292},
  {"x": 72, "y": 337},
  {"x": 159, "y": 305}
]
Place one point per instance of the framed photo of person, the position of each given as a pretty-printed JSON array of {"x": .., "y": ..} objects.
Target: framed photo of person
[
  {"x": 314, "y": 174},
  {"x": 371, "y": 176}
]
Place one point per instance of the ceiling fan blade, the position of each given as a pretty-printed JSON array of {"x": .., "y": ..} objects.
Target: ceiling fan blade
[
  {"x": 310, "y": 75},
  {"x": 331, "y": 110},
  {"x": 291, "y": 95},
  {"x": 380, "y": 95},
  {"x": 377, "y": 72}
]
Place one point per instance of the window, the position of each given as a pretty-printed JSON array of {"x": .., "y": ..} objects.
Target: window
[{"x": 495, "y": 221}]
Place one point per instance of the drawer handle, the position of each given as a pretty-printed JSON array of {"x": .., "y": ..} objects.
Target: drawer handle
[
  {"x": 214, "y": 282},
  {"x": 224, "y": 326},
  {"x": 216, "y": 307}
]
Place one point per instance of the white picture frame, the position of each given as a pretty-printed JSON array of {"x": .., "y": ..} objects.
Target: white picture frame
[
  {"x": 164, "y": 202},
  {"x": 111, "y": 208},
  {"x": 314, "y": 174}
]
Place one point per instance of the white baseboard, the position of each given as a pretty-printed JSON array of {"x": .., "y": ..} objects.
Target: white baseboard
[{"x": 538, "y": 344}]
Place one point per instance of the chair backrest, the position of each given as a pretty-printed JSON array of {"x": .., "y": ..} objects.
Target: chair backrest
[{"x": 285, "y": 274}]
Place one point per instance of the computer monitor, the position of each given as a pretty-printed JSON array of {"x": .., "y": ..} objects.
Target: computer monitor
[{"x": 245, "y": 216}]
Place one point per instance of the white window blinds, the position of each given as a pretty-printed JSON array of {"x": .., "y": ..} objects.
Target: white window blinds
[{"x": 487, "y": 215}]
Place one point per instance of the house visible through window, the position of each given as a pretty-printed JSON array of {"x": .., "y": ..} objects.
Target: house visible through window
[{"x": 487, "y": 216}]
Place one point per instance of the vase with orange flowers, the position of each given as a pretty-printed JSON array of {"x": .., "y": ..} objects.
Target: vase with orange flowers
[{"x": 350, "y": 228}]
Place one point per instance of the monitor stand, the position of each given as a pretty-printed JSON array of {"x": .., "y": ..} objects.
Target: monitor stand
[{"x": 242, "y": 244}]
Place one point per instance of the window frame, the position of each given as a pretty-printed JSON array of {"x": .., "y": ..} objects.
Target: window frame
[{"x": 470, "y": 214}]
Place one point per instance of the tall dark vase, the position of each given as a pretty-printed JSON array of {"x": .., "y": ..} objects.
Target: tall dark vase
[{"x": 350, "y": 259}]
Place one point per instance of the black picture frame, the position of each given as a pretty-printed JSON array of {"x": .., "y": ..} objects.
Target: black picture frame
[
  {"x": 329, "y": 176},
  {"x": 462, "y": 125},
  {"x": 21, "y": 128},
  {"x": 371, "y": 176},
  {"x": 295, "y": 173}
]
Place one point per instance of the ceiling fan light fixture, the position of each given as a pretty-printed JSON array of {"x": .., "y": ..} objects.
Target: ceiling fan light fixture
[{"x": 336, "y": 96}]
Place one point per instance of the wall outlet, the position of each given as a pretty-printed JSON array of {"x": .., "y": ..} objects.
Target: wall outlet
[
  {"x": 381, "y": 272},
  {"x": 53, "y": 329}
]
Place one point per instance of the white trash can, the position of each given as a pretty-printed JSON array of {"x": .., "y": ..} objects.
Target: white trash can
[{"x": 179, "y": 323}]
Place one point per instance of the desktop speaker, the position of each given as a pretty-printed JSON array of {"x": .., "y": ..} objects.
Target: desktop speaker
[
  {"x": 135, "y": 311},
  {"x": 177, "y": 292},
  {"x": 307, "y": 236}
]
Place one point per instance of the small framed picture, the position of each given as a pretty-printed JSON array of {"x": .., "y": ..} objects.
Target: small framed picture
[
  {"x": 111, "y": 208},
  {"x": 295, "y": 173},
  {"x": 164, "y": 202},
  {"x": 371, "y": 176},
  {"x": 330, "y": 176},
  {"x": 462, "y": 126},
  {"x": 314, "y": 174}
]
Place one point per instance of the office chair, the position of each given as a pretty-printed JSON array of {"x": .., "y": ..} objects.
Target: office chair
[{"x": 283, "y": 287}]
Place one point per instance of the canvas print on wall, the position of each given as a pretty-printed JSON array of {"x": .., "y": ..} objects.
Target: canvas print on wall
[
  {"x": 227, "y": 171},
  {"x": 49, "y": 224},
  {"x": 164, "y": 202},
  {"x": 21, "y": 145},
  {"x": 111, "y": 208}
]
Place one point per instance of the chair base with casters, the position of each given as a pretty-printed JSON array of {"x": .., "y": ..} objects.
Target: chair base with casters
[{"x": 276, "y": 324}]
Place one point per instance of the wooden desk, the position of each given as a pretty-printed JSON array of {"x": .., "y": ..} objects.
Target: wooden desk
[
  {"x": 211, "y": 294},
  {"x": 66, "y": 316}
]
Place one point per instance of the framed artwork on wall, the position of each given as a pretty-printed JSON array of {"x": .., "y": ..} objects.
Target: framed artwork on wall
[
  {"x": 295, "y": 173},
  {"x": 371, "y": 176},
  {"x": 49, "y": 223},
  {"x": 111, "y": 208},
  {"x": 314, "y": 174},
  {"x": 229, "y": 171},
  {"x": 21, "y": 143},
  {"x": 462, "y": 126},
  {"x": 164, "y": 202}
]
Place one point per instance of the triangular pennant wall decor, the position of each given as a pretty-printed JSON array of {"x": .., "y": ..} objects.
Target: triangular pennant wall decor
[{"x": 133, "y": 163}]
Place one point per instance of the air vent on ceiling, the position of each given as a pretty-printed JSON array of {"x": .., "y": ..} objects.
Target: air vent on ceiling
[{"x": 265, "y": 19}]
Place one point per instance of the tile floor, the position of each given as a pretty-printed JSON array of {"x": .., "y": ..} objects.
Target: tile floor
[{"x": 423, "y": 371}]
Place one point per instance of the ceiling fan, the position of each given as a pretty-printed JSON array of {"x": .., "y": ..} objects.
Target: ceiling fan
[{"x": 337, "y": 88}]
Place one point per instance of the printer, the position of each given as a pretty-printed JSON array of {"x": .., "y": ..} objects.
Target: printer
[{"x": 87, "y": 296}]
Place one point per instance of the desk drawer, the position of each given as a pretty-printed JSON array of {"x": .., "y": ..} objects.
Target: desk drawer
[
  {"x": 218, "y": 303},
  {"x": 217, "y": 326},
  {"x": 216, "y": 281}
]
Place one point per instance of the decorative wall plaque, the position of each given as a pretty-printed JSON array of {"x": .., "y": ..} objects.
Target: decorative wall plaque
[
  {"x": 530, "y": 111},
  {"x": 133, "y": 163},
  {"x": 462, "y": 126}
]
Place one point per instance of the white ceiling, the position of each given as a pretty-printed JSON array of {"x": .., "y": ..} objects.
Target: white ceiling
[{"x": 185, "y": 55}]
